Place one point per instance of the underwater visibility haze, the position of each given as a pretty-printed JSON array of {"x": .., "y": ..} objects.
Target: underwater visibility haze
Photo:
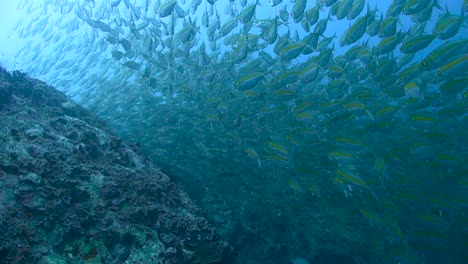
[{"x": 328, "y": 131}]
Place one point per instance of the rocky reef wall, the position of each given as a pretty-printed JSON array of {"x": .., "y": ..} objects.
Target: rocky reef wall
[{"x": 72, "y": 192}]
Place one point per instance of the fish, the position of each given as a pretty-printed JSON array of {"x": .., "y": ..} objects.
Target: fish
[
  {"x": 454, "y": 86},
  {"x": 321, "y": 26},
  {"x": 228, "y": 26},
  {"x": 343, "y": 156},
  {"x": 132, "y": 65},
  {"x": 275, "y": 2},
  {"x": 254, "y": 155},
  {"x": 279, "y": 148},
  {"x": 388, "y": 27},
  {"x": 374, "y": 27},
  {"x": 356, "y": 9},
  {"x": 373, "y": 217},
  {"x": 443, "y": 53},
  {"x": 413, "y": 6},
  {"x": 351, "y": 177},
  {"x": 395, "y": 8},
  {"x": 310, "y": 73},
  {"x": 167, "y": 8},
  {"x": 312, "y": 15},
  {"x": 448, "y": 25},
  {"x": 117, "y": 55},
  {"x": 455, "y": 68},
  {"x": 291, "y": 51},
  {"x": 115, "y": 3},
  {"x": 327, "y": 3},
  {"x": 388, "y": 44},
  {"x": 413, "y": 89},
  {"x": 423, "y": 15},
  {"x": 126, "y": 44},
  {"x": 417, "y": 43},
  {"x": 355, "y": 31},
  {"x": 270, "y": 34},
  {"x": 249, "y": 81},
  {"x": 247, "y": 13},
  {"x": 344, "y": 8},
  {"x": 297, "y": 10},
  {"x": 284, "y": 14},
  {"x": 187, "y": 34},
  {"x": 194, "y": 5}
]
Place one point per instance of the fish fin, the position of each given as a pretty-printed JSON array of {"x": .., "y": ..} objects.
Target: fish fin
[{"x": 437, "y": 5}]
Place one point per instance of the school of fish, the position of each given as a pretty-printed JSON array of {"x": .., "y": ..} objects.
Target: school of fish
[{"x": 355, "y": 139}]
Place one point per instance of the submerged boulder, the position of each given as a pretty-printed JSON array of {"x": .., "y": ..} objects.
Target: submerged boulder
[{"x": 73, "y": 192}]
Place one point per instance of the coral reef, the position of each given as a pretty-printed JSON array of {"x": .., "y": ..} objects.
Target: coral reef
[{"x": 72, "y": 192}]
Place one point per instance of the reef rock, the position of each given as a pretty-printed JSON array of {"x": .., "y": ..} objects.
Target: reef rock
[{"x": 72, "y": 192}]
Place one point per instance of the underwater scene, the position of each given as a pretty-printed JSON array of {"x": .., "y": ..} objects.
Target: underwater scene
[{"x": 328, "y": 131}]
